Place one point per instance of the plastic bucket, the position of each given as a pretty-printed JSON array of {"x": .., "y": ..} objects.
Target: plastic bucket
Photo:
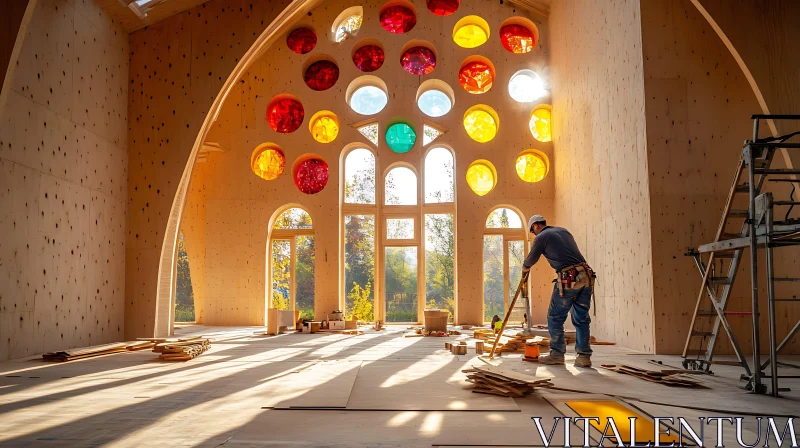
[{"x": 531, "y": 351}]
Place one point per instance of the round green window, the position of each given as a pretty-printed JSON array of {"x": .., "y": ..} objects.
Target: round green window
[{"x": 400, "y": 137}]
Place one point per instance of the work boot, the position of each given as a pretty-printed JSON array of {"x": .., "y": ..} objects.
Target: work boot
[
  {"x": 553, "y": 359},
  {"x": 583, "y": 361}
]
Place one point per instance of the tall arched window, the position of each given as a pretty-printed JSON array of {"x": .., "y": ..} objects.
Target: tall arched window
[
  {"x": 399, "y": 245},
  {"x": 292, "y": 263},
  {"x": 359, "y": 212},
  {"x": 504, "y": 250},
  {"x": 400, "y": 241},
  {"x": 439, "y": 212}
]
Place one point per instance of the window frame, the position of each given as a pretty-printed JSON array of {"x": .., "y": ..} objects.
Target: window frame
[
  {"x": 289, "y": 235},
  {"x": 382, "y": 212},
  {"x": 509, "y": 235}
]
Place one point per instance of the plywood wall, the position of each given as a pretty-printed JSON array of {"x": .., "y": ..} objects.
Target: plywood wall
[
  {"x": 601, "y": 160},
  {"x": 763, "y": 35},
  {"x": 177, "y": 68},
  {"x": 63, "y": 177},
  {"x": 698, "y": 104},
  {"x": 238, "y": 204}
]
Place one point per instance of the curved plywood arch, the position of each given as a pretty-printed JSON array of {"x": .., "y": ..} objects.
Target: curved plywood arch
[
  {"x": 165, "y": 289},
  {"x": 771, "y": 76},
  {"x": 739, "y": 60},
  {"x": 233, "y": 206}
]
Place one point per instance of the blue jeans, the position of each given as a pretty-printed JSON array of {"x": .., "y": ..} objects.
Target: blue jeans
[{"x": 577, "y": 302}]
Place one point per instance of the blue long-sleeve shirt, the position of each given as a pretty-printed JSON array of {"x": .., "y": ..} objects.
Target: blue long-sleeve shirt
[{"x": 558, "y": 246}]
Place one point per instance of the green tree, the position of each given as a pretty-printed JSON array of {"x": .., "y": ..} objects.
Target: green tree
[
  {"x": 401, "y": 284},
  {"x": 361, "y": 303},
  {"x": 281, "y": 252},
  {"x": 359, "y": 253},
  {"x": 304, "y": 272},
  {"x": 493, "y": 276},
  {"x": 439, "y": 262},
  {"x": 184, "y": 295}
]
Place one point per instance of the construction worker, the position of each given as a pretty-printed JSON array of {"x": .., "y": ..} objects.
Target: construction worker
[{"x": 572, "y": 292}]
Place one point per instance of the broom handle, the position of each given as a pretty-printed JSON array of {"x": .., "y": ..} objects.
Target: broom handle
[{"x": 522, "y": 282}]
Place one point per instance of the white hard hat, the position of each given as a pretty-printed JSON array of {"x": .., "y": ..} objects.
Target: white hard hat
[{"x": 535, "y": 219}]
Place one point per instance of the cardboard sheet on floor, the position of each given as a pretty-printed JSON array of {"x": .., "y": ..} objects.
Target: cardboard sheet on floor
[
  {"x": 420, "y": 386},
  {"x": 324, "y": 385},
  {"x": 406, "y": 429},
  {"x": 511, "y": 429},
  {"x": 284, "y": 383}
]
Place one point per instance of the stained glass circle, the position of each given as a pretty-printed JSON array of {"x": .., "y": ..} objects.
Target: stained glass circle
[
  {"x": 285, "y": 115},
  {"x": 369, "y": 58},
  {"x": 418, "y": 60},
  {"x": 401, "y": 137},
  {"x": 268, "y": 162},
  {"x": 443, "y": 7},
  {"x": 476, "y": 77},
  {"x": 481, "y": 123},
  {"x": 302, "y": 40},
  {"x": 321, "y": 75},
  {"x": 471, "y": 32},
  {"x": 517, "y": 38},
  {"x": 324, "y": 126},
  {"x": 311, "y": 175},
  {"x": 481, "y": 177},
  {"x": 540, "y": 124},
  {"x": 398, "y": 19},
  {"x": 532, "y": 166}
]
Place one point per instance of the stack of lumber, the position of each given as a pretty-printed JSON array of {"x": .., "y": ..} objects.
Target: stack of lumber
[
  {"x": 182, "y": 350},
  {"x": 673, "y": 378},
  {"x": 507, "y": 344},
  {"x": 505, "y": 383},
  {"x": 482, "y": 333},
  {"x": 87, "y": 352},
  {"x": 96, "y": 350},
  {"x": 140, "y": 345},
  {"x": 570, "y": 338}
]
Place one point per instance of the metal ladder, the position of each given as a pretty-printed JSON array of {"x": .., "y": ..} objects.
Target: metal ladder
[{"x": 706, "y": 322}]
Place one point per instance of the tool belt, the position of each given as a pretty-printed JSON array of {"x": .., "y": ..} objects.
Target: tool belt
[{"x": 576, "y": 277}]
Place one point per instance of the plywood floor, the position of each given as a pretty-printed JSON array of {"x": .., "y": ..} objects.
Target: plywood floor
[{"x": 375, "y": 390}]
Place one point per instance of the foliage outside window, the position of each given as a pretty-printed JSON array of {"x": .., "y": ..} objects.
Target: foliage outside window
[
  {"x": 292, "y": 260},
  {"x": 184, "y": 294},
  {"x": 440, "y": 262},
  {"x": 503, "y": 254},
  {"x": 359, "y": 252},
  {"x": 418, "y": 264}
]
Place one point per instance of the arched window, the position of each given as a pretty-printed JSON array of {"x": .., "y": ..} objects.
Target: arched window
[
  {"x": 504, "y": 250},
  {"x": 292, "y": 263},
  {"x": 359, "y": 212},
  {"x": 399, "y": 250},
  {"x": 359, "y": 177},
  {"x": 439, "y": 242},
  {"x": 401, "y": 187},
  {"x": 439, "y": 181}
]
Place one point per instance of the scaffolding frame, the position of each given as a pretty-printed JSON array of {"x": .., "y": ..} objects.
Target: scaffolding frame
[{"x": 759, "y": 230}]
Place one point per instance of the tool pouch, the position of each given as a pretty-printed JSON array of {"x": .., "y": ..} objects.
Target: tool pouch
[{"x": 575, "y": 277}]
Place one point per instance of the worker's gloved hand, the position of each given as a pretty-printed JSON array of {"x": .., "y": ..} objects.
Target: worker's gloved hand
[{"x": 524, "y": 269}]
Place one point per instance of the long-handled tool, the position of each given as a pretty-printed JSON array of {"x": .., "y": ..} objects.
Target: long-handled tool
[{"x": 522, "y": 284}]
